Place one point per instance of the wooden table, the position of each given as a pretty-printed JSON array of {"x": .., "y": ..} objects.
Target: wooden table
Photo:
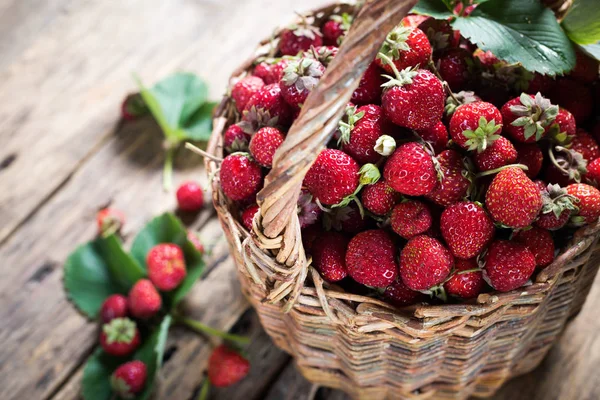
[{"x": 65, "y": 66}]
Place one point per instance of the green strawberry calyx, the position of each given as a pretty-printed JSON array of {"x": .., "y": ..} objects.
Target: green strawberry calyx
[
  {"x": 534, "y": 115},
  {"x": 304, "y": 73},
  {"x": 346, "y": 124},
  {"x": 571, "y": 163},
  {"x": 395, "y": 42},
  {"x": 483, "y": 136},
  {"x": 556, "y": 200},
  {"x": 119, "y": 330}
]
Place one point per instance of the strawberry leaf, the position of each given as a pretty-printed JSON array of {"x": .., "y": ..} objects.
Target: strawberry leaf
[
  {"x": 593, "y": 50},
  {"x": 520, "y": 31},
  {"x": 199, "y": 125},
  {"x": 96, "y": 270},
  {"x": 582, "y": 22},
  {"x": 168, "y": 229},
  {"x": 438, "y": 9}
]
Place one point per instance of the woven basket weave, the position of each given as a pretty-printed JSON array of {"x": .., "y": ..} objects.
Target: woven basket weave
[{"x": 359, "y": 344}]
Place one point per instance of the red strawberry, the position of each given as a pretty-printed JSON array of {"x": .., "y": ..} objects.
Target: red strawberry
[
  {"x": 575, "y": 97},
  {"x": 359, "y": 135},
  {"x": 298, "y": 38},
  {"x": 244, "y": 89},
  {"x": 143, "y": 300},
  {"x": 379, "y": 198},
  {"x": 240, "y": 177},
  {"x": 266, "y": 108},
  {"x": 557, "y": 209},
  {"x": 566, "y": 122},
  {"x": 414, "y": 99},
  {"x": 133, "y": 107},
  {"x": 271, "y": 72},
  {"x": 336, "y": 28},
  {"x": 586, "y": 68},
  {"x": 369, "y": 89},
  {"x": 463, "y": 97},
  {"x": 400, "y": 295},
  {"x": 195, "y": 240},
  {"x": 411, "y": 218},
  {"x": 309, "y": 211},
  {"x": 235, "y": 139},
  {"x": 475, "y": 126},
  {"x": 500, "y": 153},
  {"x": 586, "y": 145},
  {"x": 437, "y": 136},
  {"x": 248, "y": 216},
  {"x": 129, "y": 379},
  {"x": 465, "y": 285},
  {"x": 440, "y": 34},
  {"x": 455, "y": 182},
  {"x": 115, "y": 306},
  {"x": 526, "y": 117},
  {"x": 508, "y": 265},
  {"x": 406, "y": 47},
  {"x": 486, "y": 58},
  {"x": 531, "y": 156},
  {"x": 589, "y": 202},
  {"x": 226, "y": 367},
  {"x": 323, "y": 54},
  {"x": 539, "y": 242},
  {"x": 371, "y": 258},
  {"x": 328, "y": 252},
  {"x": 264, "y": 144},
  {"x": 513, "y": 199},
  {"x": 466, "y": 228},
  {"x": 424, "y": 263},
  {"x": 333, "y": 176},
  {"x": 453, "y": 67},
  {"x": 166, "y": 266},
  {"x": 190, "y": 196},
  {"x": 299, "y": 78},
  {"x": 410, "y": 170},
  {"x": 120, "y": 337},
  {"x": 593, "y": 173},
  {"x": 109, "y": 221}
]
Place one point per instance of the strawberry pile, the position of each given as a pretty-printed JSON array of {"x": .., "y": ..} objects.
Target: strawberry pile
[{"x": 451, "y": 173}]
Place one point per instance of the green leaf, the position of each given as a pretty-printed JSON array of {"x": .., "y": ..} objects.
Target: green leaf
[
  {"x": 520, "y": 31},
  {"x": 593, "y": 50},
  {"x": 437, "y": 9},
  {"x": 582, "y": 22},
  {"x": 168, "y": 229},
  {"x": 96, "y": 270},
  {"x": 151, "y": 353},
  {"x": 95, "y": 384},
  {"x": 199, "y": 126}
]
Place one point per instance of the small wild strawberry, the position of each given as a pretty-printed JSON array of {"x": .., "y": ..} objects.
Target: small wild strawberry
[
  {"x": 424, "y": 263},
  {"x": 411, "y": 218},
  {"x": 166, "y": 266},
  {"x": 527, "y": 117},
  {"x": 329, "y": 252},
  {"x": 248, "y": 216},
  {"x": 115, "y": 306},
  {"x": 190, "y": 196},
  {"x": 120, "y": 337},
  {"x": 379, "y": 198},
  {"x": 300, "y": 77},
  {"x": 226, "y": 367},
  {"x": 298, "y": 38},
  {"x": 264, "y": 144},
  {"x": 244, "y": 89},
  {"x": 333, "y": 176},
  {"x": 475, "y": 126},
  {"x": 410, "y": 170},
  {"x": 588, "y": 204},
  {"x": 455, "y": 182},
  {"x": 129, "y": 379},
  {"x": 400, "y": 295},
  {"x": 240, "y": 177},
  {"x": 406, "y": 47},
  {"x": 466, "y": 228},
  {"x": 508, "y": 265},
  {"x": 143, "y": 300},
  {"x": 465, "y": 285},
  {"x": 371, "y": 258},
  {"x": 109, "y": 221},
  {"x": 539, "y": 242}
]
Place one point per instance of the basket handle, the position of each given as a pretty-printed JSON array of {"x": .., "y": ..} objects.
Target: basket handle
[{"x": 323, "y": 109}]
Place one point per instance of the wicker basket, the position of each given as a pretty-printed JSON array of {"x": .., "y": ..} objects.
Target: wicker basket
[{"x": 359, "y": 344}]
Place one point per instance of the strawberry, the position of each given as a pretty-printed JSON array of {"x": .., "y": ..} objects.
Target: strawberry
[
  {"x": 190, "y": 196},
  {"x": 120, "y": 337},
  {"x": 115, "y": 306},
  {"x": 271, "y": 72},
  {"x": 244, "y": 89},
  {"x": 588, "y": 204},
  {"x": 459, "y": 99},
  {"x": 475, "y": 126},
  {"x": 500, "y": 153},
  {"x": 226, "y": 367},
  {"x": 406, "y": 47},
  {"x": 540, "y": 83},
  {"x": 566, "y": 122},
  {"x": 414, "y": 99},
  {"x": 299, "y": 78},
  {"x": 336, "y": 28},
  {"x": 369, "y": 89},
  {"x": 508, "y": 265},
  {"x": 195, "y": 240},
  {"x": 424, "y": 263},
  {"x": 575, "y": 97},
  {"x": 143, "y": 300},
  {"x": 586, "y": 68},
  {"x": 359, "y": 135},
  {"x": 298, "y": 38},
  {"x": 346, "y": 219},
  {"x": 166, "y": 266},
  {"x": 414, "y": 20},
  {"x": 568, "y": 165},
  {"x": 411, "y": 218},
  {"x": 531, "y": 156},
  {"x": 440, "y": 34},
  {"x": 248, "y": 216},
  {"x": 586, "y": 145},
  {"x": 455, "y": 179},
  {"x": 466, "y": 228},
  {"x": 310, "y": 235},
  {"x": 309, "y": 211},
  {"x": 240, "y": 177},
  {"x": 129, "y": 379},
  {"x": 486, "y": 58},
  {"x": 133, "y": 107},
  {"x": 371, "y": 258},
  {"x": 379, "y": 198},
  {"x": 323, "y": 54},
  {"x": 539, "y": 242},
  {"x": 264, "y": 144},
  {"x": 235, "y": 139},
  {"x": 593, "y": 173},
  {"x": 437, "y": 136},
  {"x": 526, "y": 118},
  {"x": 410, "y": 170},
  {"x": 328, "y": 252},
  {"x": 453, "y": 66},
  {"x": 400, "y": 295},
  {"x": 266, "y": 108},
  {"x": 512, "y": 199},
  {"x": 333, "y": 176},
  {"x": 465, "y": 285},
  {"x": 109, "y": 221}
]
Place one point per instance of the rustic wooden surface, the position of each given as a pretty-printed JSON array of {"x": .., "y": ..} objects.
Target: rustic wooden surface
[{"x": 65, "y": 66}]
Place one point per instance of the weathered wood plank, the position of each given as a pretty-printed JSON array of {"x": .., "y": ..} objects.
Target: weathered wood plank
[{"x": 291, "y": 386}]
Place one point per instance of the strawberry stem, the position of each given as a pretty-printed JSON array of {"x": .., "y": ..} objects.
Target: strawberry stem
[
  {"x": 495, "y": 171},
  {"x": 203, "y": 395},
  {"x": 389, "y": 62},
  {"x": 168, "y": 170},
  {"x": 203, "y": 153},
  {"x": 199, "y": 327}
]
